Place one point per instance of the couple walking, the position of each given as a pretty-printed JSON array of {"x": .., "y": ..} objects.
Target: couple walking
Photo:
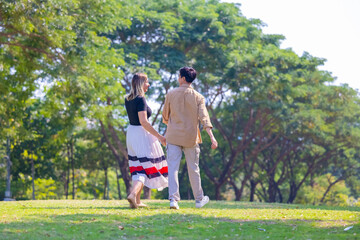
[{"x": 183, "y": 109}]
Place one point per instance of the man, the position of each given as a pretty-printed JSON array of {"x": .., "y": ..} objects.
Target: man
[{"x": 183, "y": 109}]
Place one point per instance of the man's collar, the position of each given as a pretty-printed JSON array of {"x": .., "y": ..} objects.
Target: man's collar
[{"x": 185, "y": 86}]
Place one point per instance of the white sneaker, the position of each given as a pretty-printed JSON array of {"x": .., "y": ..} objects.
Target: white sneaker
[
  {"x": 203, "y": 201},
  {"x": 174, "y": 205}
]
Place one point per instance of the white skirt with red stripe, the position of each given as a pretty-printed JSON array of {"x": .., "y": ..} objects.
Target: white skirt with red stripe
[{"x": 146, "y": 157}]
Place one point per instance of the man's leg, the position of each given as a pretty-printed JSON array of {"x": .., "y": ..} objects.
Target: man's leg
[
  {"x": 174, "y": 154},
  {"x": 192, "y": 162}
]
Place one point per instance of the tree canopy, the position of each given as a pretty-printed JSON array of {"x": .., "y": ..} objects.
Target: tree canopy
[{"x": 66, "y": 65}]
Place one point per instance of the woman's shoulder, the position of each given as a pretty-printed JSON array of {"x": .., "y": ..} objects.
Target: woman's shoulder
[
  {"x": 136, "y": 99},
  {"x": 140, "y": 99}
]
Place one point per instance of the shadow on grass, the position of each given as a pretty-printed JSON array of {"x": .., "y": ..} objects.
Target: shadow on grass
[
  {"x": 69, "y": 207},
  {"x": 169, "y": 224},
  {"x": 257, "y": 205},
  {"x": 123, "y": 204}
]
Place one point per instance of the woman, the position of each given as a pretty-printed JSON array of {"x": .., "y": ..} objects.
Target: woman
[{"x": 146, "y": 158}]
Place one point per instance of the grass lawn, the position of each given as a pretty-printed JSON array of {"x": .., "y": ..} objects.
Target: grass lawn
[{"x": 218, "y": 220}]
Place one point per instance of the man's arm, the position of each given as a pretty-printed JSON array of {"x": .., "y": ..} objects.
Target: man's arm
[
  {"x": 166, "y": 111},
  {"x": 214, "y": 143},
  {"x": 203, "y": 114},
  {"x": 205, "y": 121}
]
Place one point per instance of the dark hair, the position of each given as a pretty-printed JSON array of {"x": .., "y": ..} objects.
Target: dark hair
[{"x": 189, "y": 73}]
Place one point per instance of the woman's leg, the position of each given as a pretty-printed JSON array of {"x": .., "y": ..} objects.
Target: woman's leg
[
  {"x": 138, "y": 201},
  {"x": 136, "y": 188},
  {"x": 138, "y": 195}
]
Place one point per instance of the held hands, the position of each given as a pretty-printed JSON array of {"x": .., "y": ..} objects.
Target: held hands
[
  {"x": 162, "y": 139},
  {"x": 214, "y": 143}
]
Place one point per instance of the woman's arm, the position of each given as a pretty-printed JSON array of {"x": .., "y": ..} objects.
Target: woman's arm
[{"x": 148, "y": 127}]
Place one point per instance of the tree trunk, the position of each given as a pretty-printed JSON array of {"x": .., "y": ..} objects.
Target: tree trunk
[
  {"x": 94, "y": 190},
  {"x": 252, "y": 190},
  {"x": 272, "y": 188},
  {"x": 238, "y": 191},
  {"x": 63, "y": 179},
  {"x": 73, "y": 169},
  {"x": 108, "y": 191},
  {"x": 124, "y": 169},
  {"x": 32, "y": 176},
  {"x": 241, "y": 190},
  {"x": 238, "y": 194},
  {"x": 105, "y": 183},
  {"x": 217, "y": 192},
  {"x": 68, "y": 172},
  {"x": 117, "y": 182},
  {"x": 279, "y": 192},
  {"x": 293, "y": 193},
  {"x": 147, "y": 192},
  {"x": 8, "y": 170},
  {"x": 272, "y": 191}
]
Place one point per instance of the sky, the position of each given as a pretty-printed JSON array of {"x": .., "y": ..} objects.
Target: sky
[{"x": 327, "y": 29}]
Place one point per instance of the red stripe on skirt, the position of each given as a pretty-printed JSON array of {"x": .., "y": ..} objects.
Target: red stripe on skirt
[
  {"x": 136, "y": 169},
  {"x": 163, "y": 170},
  {"x": 149, "y": 170}
]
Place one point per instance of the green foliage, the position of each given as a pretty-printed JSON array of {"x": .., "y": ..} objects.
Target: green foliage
[
  {"x": 338, "y": 195},
  {"x": 66, "y": 65},
  {"x": 44, "y": 189}
]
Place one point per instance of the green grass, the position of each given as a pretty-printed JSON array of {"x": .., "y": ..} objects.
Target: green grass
[{"x": 218, "y": 220}]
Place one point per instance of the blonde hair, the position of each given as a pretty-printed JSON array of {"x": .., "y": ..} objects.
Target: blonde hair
[{"x": 137, "y": 84}]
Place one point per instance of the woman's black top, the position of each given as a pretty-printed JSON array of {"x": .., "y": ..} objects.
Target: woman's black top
[{"x": 134, "y": 106}]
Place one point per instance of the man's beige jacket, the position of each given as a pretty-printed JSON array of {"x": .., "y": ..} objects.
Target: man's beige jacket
[{"x": 183, "y": 109}]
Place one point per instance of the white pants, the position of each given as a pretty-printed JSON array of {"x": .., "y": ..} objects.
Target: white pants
[{"x": 192, "y": 154}]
